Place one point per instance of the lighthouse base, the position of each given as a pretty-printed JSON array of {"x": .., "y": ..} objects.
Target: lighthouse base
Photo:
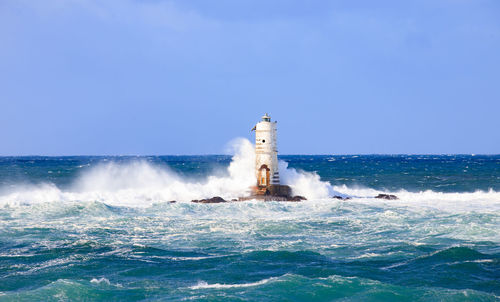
[
  {"x": 273, "y": 190},
  {"x": 272, "y": 193}
]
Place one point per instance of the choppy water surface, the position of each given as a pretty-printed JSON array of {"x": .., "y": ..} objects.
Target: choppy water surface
[{"x": 102, "y": 228}]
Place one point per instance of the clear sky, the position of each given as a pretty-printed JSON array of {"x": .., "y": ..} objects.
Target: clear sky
[{"x": 185, "y": 77}]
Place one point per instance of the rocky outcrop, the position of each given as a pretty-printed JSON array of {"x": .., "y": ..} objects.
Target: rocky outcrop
[
  {"x": 218, "y": 199},
  {"x": 297, "y": 198},
  {"x": 273, "y": 190},
  {"x": 341, "y": 197},
  {"x": 387, "y": 196},
  {"x": 215, "y": 199}
]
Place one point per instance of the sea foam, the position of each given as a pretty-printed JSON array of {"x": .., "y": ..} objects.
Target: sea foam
[
  {"x": 205, "y": 285},
  {"x": 139, "y": 183}
]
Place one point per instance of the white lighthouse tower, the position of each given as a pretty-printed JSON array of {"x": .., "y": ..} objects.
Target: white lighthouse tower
[
  {"x": 266, "y": 153},
  {"x": 266, "y": 163}
]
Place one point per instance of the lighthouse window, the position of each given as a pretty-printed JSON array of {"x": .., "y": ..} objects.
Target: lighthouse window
[{"x": 263, "y": 140}]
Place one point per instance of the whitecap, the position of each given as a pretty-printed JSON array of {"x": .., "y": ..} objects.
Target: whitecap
[
  {"x": 205, "y": 285},
  {"x": 139, "y": 183},
  {"x": 100, "y": 280}
]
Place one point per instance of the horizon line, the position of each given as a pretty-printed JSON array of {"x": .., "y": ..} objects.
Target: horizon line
[{"x": 222, "y": 154}]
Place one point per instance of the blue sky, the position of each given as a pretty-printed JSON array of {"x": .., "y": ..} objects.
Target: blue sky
[{"x": 185, "y": 77}]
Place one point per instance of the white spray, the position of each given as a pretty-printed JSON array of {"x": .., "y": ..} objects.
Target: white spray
[{"x": 140, "y": 183}]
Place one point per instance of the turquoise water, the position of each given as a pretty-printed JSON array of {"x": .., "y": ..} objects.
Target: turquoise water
[{"x": 102, "y": 228}]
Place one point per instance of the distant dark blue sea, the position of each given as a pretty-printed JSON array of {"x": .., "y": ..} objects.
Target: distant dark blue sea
[{"x": 105, "y": 228}]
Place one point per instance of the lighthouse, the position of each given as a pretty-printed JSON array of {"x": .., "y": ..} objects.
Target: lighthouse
[
  {"x": 266, "y": 160},
  {"x": 266, "y": 153}
]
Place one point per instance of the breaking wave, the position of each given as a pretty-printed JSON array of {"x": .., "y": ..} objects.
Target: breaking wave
[
  {"x": 205, "y": 285},
  {"x": 142, "y": 184},
  {"x": 481, "y": 201}
]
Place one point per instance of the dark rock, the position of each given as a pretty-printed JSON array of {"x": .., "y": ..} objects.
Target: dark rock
[
  {"x": 341, "y": 198},
  {"x": 387, "y": 196},
  {"x": 234, "y": 199},
  {"x": 279, "y": 190},
  {"x": 297, "y": 198},
  {"x": 215, "y": 199},
  {"x": 172, "y": 201}
]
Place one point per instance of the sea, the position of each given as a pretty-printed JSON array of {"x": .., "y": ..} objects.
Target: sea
[{"x": 123, "y": 228}]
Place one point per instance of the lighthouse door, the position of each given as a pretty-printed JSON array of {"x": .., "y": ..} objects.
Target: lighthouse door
[{"x": 264, "y": 176}]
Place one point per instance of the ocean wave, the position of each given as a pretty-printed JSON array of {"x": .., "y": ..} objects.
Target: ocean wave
[
  {"x": 285, "y": 287},
  {"x": 449, "y": 256},
  {"x": 100, "y": 280},
  {"x": 104, "y": 281},
  {"x": 142, "y": 184},
  {"x": 479, "y": 201},
  {"x": 205, "y": 285},
  {"x": 294, "y": 286},
  {"x": 139, "y": 183}
]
